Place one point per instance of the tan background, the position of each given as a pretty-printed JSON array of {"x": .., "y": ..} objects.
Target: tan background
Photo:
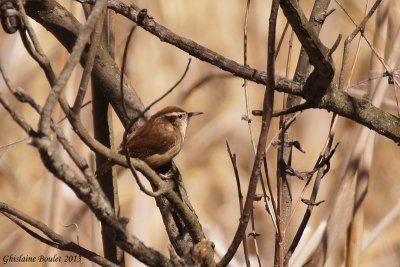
[{"x": 204, "y": 162}]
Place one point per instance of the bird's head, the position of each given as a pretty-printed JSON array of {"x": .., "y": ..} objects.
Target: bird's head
[{"x": 178, "y": 117}]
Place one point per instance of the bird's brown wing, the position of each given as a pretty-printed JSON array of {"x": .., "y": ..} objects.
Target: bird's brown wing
[{"x": 151, "y": 139}]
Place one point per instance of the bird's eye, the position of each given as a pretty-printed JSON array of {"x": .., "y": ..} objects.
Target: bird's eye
[{"x": 180, "y": 116}]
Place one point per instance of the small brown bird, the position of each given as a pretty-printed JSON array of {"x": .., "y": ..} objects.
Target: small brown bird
[{"x": 159, "y": 140}]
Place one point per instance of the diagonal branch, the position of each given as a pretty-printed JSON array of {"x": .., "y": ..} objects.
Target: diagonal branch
[
  {"x": 66, "y": 29},
  {"x": 319, "y": 55},
  {"x": 359, "y": 29},
  {"x": 80, "y": 44},
  {"x": 55, "y": 240},
  {"x": 362, "y": 111},
  {"x": 317, "y": 52}
]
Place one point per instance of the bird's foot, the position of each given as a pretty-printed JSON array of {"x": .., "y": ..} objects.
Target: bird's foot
[{"x": 166, "y": 176}]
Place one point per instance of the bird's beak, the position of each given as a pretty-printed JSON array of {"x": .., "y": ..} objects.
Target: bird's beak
[{"x": 191, "y": 114}]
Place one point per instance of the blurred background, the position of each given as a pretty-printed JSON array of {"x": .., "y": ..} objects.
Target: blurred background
[{"x": 153, "y": 67}]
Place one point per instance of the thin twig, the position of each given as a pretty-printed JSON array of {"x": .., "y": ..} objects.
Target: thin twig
[
  {"x": 124, "y": 60},
  {"x": 141, "y": 114},
  {"x": 87, "y": 70},
  {"x": 369, "y": 79},
  {"x": 16, "y": 117},
  {"x": 267, "y": 177},
  {"x": 24, "y": 97},
  {"x": 240, "y": 197},
  {"x": 66, "y": 117},
  {"x": 248, "y": 120},
  {"x": 13, "y": 143},
  {"x": 359, "y": 29},
  {"x": 278, "y": 48},
  {"x": 211, "y": 75}
]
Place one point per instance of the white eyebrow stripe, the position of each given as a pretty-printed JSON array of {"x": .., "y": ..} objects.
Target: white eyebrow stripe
[{"x": 174, "y": 114}]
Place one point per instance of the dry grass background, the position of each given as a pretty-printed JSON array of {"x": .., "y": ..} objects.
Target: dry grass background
[{"x": 204, "y": 162}]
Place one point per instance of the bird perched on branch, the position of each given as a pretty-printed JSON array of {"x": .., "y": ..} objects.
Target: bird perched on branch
[{"x": 159, "y": 140}]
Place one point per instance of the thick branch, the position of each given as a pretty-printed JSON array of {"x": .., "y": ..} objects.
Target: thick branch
[
  {"x": 320, "y": 56},
  {"x": 308, "y": 37},
  {"x": 362, "y": 111}
]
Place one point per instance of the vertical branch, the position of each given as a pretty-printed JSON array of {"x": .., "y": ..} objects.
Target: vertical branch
[
  {"x": 103, "y": 132},
  {"x": 268, "y": 105},
  {"x": 279, "y": 255},
  {"x": 248, "y": 119},
  {"x": 356, "y": 228},
  {"x": 284, "y": 198}
]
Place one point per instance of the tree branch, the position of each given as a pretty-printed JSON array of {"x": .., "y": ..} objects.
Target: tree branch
[{"x": 56, "y": 240}]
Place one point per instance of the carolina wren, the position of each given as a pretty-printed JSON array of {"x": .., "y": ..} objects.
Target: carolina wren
[{"x": 159, "y": 140}]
